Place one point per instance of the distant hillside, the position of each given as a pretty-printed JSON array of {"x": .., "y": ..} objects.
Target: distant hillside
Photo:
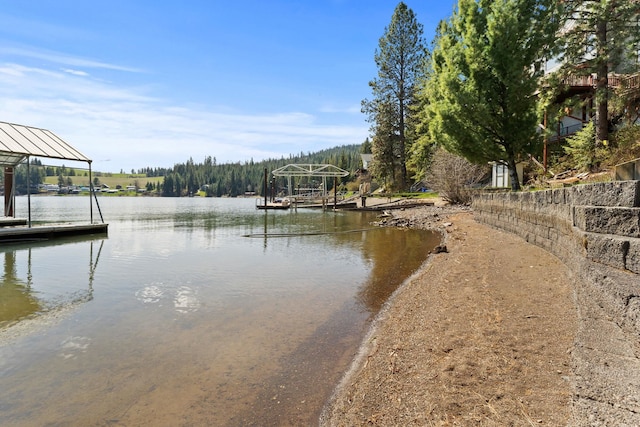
[
  {"x": 225, "y": 179},
  {"x": 234, "y": 179}
]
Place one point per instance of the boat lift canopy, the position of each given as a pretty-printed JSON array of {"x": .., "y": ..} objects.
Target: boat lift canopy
[
  {"x": 308, "y": 170},
  {"x": 18, "y": 143}
]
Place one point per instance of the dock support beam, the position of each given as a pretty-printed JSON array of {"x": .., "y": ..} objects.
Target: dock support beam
[
  {"x": 9, "y": 194},
  {"x": 29, "y": 191}
]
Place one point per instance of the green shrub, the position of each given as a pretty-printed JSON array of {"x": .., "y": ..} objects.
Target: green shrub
[
  {"x": 581, "y": 149},
  {"x": 627, "y": 145}
]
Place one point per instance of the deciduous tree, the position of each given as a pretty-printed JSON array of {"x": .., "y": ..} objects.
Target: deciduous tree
[{"x": 453, "y": 176}]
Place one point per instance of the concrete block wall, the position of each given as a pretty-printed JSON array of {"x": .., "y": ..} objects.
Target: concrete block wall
[
  {"x": 600, "y": 222},
  {"x": 595, "y": 230}
]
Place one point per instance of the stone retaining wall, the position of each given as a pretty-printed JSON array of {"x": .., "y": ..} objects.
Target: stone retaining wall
[{"x": 595, "y": 230}]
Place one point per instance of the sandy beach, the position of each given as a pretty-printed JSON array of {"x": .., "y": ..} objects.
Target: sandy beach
[{"x": 480, "y": 335}]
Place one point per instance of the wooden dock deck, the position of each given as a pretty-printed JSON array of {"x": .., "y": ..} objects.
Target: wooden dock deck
[
  {"x": 374, "y": 206},
  {"x": 9, "y": 221},
  {"x": 12, "y": 234}
]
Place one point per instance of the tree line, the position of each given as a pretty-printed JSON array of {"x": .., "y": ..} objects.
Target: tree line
[
  {"x": 484, "y": 91},
  {"x": 235, "y": 179},
  {"x": 208, "y": 176}
]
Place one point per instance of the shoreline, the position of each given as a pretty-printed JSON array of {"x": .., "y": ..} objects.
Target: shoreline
[
  {"x": 464, "y": 339},
  {"x": 431, "y": 221}
]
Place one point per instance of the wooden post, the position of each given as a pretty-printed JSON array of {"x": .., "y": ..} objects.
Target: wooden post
[
  {"x": 265, "y": 189},
  {"x": 544, "y": 150},
  {"x": 273, "y": 196},
  {"x": 335, "y": 192},
  {"x": 91, "y": 195},
  {"x": 28, "y": 192},
  {"x": 8, "y": 191}
]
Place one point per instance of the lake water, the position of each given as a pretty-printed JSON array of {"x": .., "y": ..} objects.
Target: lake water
[{"x": 193, "y": 311}]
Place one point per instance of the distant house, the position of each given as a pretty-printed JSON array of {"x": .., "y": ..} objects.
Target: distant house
[
  {"x": 366, "y": 159},
  {"x": 49, "y": 188}
]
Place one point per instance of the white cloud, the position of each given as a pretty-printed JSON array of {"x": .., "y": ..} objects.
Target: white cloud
[
  {"x": 76, "y": 72},
  {"x": 127, "y": 128},
  {"x": 61, "y": 58}
]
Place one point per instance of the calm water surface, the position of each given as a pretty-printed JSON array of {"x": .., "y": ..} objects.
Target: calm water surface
[{"x": 193, "y": 311}]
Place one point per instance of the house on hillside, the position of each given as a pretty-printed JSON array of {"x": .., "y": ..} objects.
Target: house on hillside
[
  {"x": 603, "y": 57},
  {"x": 366, "y": 160},
  {"x": 582, "y": 89}
]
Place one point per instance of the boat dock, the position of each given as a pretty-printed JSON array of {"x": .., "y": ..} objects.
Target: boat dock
[
  {"x": 8, "y": 221},
  {"x": 18, "y": 143},
  {"x": 373, "y": 204},
  {"x": 21, "y": 233}
]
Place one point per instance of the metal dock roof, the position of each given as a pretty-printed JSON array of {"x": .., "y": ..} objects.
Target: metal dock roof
[{"x": 18, "y": 142}]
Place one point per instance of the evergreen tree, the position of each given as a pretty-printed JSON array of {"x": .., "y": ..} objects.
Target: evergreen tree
[
  {"x": 384, "y": 145},
  {"x": 599, "y": 37},
  {"x": 36, "y": 176},
  {"x": 400, "y": 60},
  {"x": 484, "y": 73},
  {"x": 366, "y": 147},
  {"x": 581, "y": 148},
  {"x": 168, "y": 186}
]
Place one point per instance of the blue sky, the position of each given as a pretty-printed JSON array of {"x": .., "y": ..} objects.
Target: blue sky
[{"x": 144, "y": 83}]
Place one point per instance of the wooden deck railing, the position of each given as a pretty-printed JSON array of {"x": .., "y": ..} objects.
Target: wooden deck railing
[
  {"x": 580, "y": 81},
  {"x": 631, "y": 81},
  {"x": 615, "y": 81},
  {"x": 563, "y": 132}
]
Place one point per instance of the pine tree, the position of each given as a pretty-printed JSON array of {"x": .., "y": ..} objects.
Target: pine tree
[
  {"x": 599, "y": 37},
  {"x": 400, "y": 60},
  {"x": 479, "y": 94}
]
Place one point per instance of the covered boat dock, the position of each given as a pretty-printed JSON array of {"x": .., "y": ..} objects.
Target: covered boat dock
[
  {"x": 322, "y": 171},
  {"x": 18, "y": 144}
]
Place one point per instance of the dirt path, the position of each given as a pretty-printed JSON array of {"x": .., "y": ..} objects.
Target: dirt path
[{"x": 482, "y": 335}]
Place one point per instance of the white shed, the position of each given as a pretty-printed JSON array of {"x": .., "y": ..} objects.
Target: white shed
[{"x": 500, "y": 174}]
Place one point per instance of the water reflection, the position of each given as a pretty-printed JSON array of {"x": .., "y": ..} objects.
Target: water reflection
[
  {"x": 387, "y": 268},
  {"x": 193, "y": 324},
  {"x": 16, "y": 301},
  {"x": 390, "y": 268},
  {"x": 18, "y": 298}
]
